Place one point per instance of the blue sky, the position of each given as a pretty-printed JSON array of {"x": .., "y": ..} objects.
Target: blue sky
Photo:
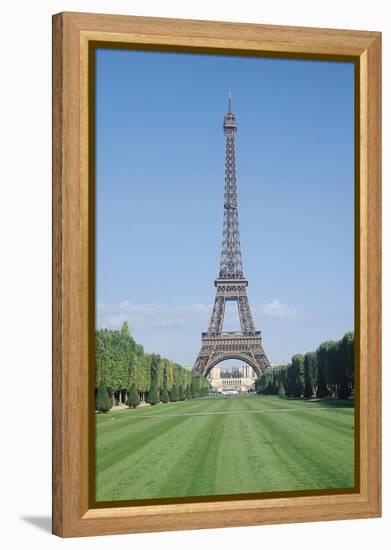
[{"x": 159, "y": 196}]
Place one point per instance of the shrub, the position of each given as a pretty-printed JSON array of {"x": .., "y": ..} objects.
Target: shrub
[
  {"x": 174, "y": 393},
  {"x": 102, "y": 401},
  {"x": 153, "y": 394},
  {"x": 164, "y": 396},
  {"x": 133, "y": 397}
]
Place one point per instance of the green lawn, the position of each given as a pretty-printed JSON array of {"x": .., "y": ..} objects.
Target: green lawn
[{"x": 215, "y": 446}]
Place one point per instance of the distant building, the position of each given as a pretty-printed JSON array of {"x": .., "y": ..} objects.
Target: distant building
[
  {"x": 241, "y": 379},
  {"x": 215, "y": 374}
]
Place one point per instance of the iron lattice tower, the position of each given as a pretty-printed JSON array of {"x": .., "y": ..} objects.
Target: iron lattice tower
[{"x": 231, "y": 285}]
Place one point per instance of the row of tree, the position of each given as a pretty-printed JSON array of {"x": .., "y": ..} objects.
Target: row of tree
[
  {"x": 326, "y": 372},
  {"x": 125, "y": 374}
]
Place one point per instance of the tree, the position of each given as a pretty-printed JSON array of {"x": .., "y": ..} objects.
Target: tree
[
  {"x": 290, "y": 386},
  {"x": 164, "y": 395},
  {"x": 281, "y": 390},
  {"x": 181, "y": 393},
  {"x": 343, "y": 390},
  {"x": 282, "y": 377},
  {"x": 144, "y": 381},
  {"x": 297, "y": 375},
  {"x": 103, "y": 401},
  {"x": 300, "y": 376},
  {"x": 322, "y": 357},
  {"x": 347, "y": 366},
  {"x": 310, "y": 371},
  {"x": 263, "y": 384},
  {"x": 275, "y": 383},
  {"x": 322, "y": 390},
  {"x": 188, "y": 392},
  {"x": 333, "y": 367},
  {"x": 153, "y": 394},
  {"x": 133, "y": 397},
  {"x": 174, "y": 394}
]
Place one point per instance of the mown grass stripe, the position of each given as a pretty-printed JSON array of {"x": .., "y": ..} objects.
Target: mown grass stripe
[{"x": 231, "y": 412}]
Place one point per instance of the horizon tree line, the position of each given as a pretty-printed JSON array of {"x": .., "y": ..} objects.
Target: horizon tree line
[
  {"x": 326, "y": 372},
  {"x": 125, "y": 374}
]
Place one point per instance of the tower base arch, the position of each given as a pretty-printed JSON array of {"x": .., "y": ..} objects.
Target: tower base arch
[{"x": 216, "y": 349}]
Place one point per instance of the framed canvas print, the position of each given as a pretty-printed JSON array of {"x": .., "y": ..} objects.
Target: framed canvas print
[{"x": 216, "y": 274}]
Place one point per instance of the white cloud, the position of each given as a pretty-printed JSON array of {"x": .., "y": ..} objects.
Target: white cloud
[
  {"x": 278, "y": 310},
  {"x": 141, "y": 316},
  {"x": 152, "y": 316}
]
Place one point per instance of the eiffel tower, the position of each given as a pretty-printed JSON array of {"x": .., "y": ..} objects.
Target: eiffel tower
[{"x": 245, "y": 345}]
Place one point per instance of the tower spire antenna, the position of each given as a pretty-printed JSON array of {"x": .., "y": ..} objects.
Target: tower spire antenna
[{"x": 229, "y": 119}]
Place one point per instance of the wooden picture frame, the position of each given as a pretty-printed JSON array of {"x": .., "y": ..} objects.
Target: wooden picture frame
[{"x": 73, "y": 34}]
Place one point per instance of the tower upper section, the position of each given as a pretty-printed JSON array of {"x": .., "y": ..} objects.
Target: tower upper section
[
  {"x": 231, "y": 261},
  {"x": 230, "y": 126}
]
